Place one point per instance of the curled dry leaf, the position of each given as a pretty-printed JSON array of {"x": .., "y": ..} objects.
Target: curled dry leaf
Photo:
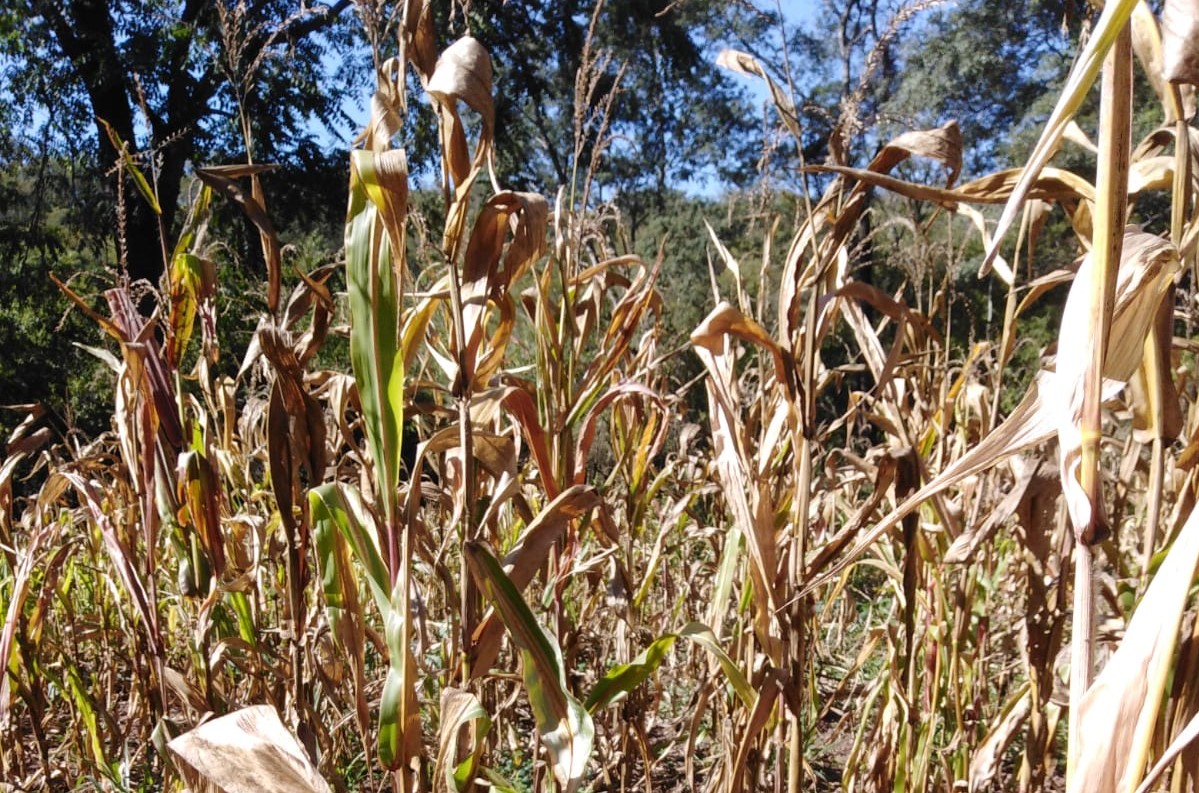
[
  {"x": 1082, "y": 77},
  {"x": 725, "y": 320},
  {"x": 987, "y": 758},
  {"x": 625, "y": 390},
  {"x": 458, "y": 709},
  {"x": 1146, "y": 272},
  {"x": 252, "y": 203},
  {"x": 1073, "y": 192},
  {"x": 745, "y": 63},
  {"x": 749, "y": 496},
  {"x": 1180, "y": 41},
  {"x": 463, "y": 74},
  {"x": 526, "y": 216},
  {"x": 1074, "y": 134},
  {"x": 1119, "y": 711},
  {"x": 421, "y": 37},
  {"x": 249, "y": 751},
  {"x": 966, "y": 543},
  {"x": 1148, "y": 266},
  {"x": 1151, "y": 173},
  {"x": 943, "y": 144},
  {"x": 1153, "y": 395},
  {"x": 1149, "y": 43}
]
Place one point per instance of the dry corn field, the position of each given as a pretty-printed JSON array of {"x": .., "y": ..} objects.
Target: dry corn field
[{"x": 502, "y": 549}]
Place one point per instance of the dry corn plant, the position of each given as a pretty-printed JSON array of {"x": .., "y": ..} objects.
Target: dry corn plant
[
  {"x": 469, "y": 560},
  {"x": 949, "y": 695},
  {"x": 266, "y": 550}
]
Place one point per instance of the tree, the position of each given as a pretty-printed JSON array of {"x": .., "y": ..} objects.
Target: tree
[
  {"x": 178, "y": 82},
  {"x": 990, "y": 66},
  {"x": 674, "y": 118}
]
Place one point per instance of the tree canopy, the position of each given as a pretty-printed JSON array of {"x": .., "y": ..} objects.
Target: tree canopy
[{"x": 174, "y": 82}]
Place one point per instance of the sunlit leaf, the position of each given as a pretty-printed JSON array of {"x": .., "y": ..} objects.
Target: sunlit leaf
[{"x": 249, "y": 751}]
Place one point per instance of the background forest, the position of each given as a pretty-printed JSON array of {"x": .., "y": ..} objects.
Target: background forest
[
  {"x": 272, "y": 83},
  {"x": 597, "y": 396}
]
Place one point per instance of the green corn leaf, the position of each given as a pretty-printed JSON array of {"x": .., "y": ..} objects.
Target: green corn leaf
[
  {"x": 245, "y": 617},
  {"x": 139, "y": 179},
  {"x": 564, "y": 725},
  {"x": 336, "y": 573},
  {"x": 197, "y": 219},
  {"x": 335, "y": 505},
  {"x": 187, "y": 276},
  {"x": 500, "y": 783},
  {"x": 375, "y": 355},
  {"x": 87, "y": 711},
  {"x": 621, "y": 680},
  {"x": 389, "y": 724},
  {"x": 399, "y": 712},
  {"x": 703, "y": 636},
  {"x": 186, "y": 279}
]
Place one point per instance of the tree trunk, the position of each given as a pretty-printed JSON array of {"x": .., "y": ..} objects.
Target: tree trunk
[{"x": 84, "y": 30}]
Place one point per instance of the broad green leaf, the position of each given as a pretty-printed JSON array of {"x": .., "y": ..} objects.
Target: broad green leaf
[
  {"x": 399, "y": 711},
  {"x": 87, "y": 710},
  {"x": 564, "y": 725},
  {"x": 186, "y": 279},
  {"x": 499, "y": 782},
  {"x": 374, "y": 292},
  {"x": 527, "y": 556},
  {"x": 197, "y": 219},
  {"x": 389, "y": 715},
  {"x": 338, "y": 581},
  {"x": 622, "y": 679},
  {"x": 189, "y": 277},
  {"x": 702, "y": 635},
  {"x": 339, "y": 505},
  {"x": 199, "y": 494}
]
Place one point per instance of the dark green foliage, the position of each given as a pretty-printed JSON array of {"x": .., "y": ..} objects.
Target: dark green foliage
[
  {"x": 990, "y": 66},
  {"x": 676, "y": 117},
  {"x": 172, "y": 80},
  {"x": 42, "y": 230}
]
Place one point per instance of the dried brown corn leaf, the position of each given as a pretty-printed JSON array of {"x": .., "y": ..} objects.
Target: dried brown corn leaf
[
  {"x": 1111, "y": 22},
  {"x": 1149, "y": 263},
  {"x": 1119, "y": 711},
  {"x": 248, "y": 751},
  {"x": 463, "y": 74},
  {"x": 1180, "y": 41},
  {"x": 745, "y": 63}
]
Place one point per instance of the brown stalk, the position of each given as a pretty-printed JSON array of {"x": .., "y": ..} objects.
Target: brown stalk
[{"x": 1111, "y": 206}]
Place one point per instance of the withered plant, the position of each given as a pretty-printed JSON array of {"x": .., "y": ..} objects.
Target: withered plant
[{"x": 498, "y": 549}]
